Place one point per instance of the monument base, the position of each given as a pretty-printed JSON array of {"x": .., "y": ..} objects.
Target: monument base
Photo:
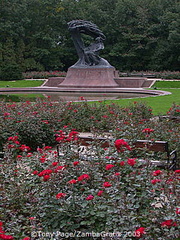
[
  {"x": 130, "y": 82},
  {"x": 90, "y": 77}
]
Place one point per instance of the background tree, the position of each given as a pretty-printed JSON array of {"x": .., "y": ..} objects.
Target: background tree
[{"x": 141, "y": 34}]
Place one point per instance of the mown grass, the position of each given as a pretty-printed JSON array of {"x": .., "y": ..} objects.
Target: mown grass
[
  {"x": 167, "y": 84},
  {"x": 20, "y": 97},
  {"x": 21, "y": 83},
  {"x": 159, "y": 104}
]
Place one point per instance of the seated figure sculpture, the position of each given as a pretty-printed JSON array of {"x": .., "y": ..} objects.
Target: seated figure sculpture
[{"x": 88, "y": 56}]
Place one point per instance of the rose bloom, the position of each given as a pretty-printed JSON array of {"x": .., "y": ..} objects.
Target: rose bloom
[
  {"x": 45, "y": 172},
  {"x": 35, "y": 172},
  {"x": 46, "y": 178},
  {"x": 168, "y": 223},
  {"x": 139, "y": 232},
  {"x": 107, "y": 184},
  {"x": 4, "y": 236},
  {"x": 131, "y": 161},
  {"x": 177, "y": 210},
  {"x": 47, "y": 147},
  {"x": 72, "y": 181},
  {"x": 122, "y": 163},
  {"x": 90, "y": 197},
  {"x": 75, "y": 163},
  {"x": 83, "y": 177},
  {"x": 42, "y": 159},
  {"x": 157, "y": 172},
  {"x": 109, "y": 166},
  {"x": 26, "y": 238},
  {"x": 100, "y": 193},
  {"x": 54, "y": 164},
  {"x": 117, "y": 174},
  {"x": 177, "y": 171},
  {"x": 24, "y": 148},
  {"x": 147, "y": 130},
  {"x": 59, "y": 168},
  {"x": 60, "y": 195},
  {"x": 154, "y": 181},
  {"x": 120, "y": 144}
]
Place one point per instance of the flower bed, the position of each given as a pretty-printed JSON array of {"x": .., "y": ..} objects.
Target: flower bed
[
  {"x": 110, "y": 195},
  {"x": 43, "y": 75}
]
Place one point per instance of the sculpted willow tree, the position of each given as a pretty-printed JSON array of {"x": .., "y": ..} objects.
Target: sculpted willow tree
[
  {"x": 88, "y": 55},
  {"x": 90, "y": 70}
]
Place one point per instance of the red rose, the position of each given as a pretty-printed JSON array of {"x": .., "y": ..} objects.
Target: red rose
[
  {"x": 8, "y": 237},
  {"x": 177, "y": 210},
  {"x": 168, "y": 223},
  {"x": 46, "y": 178},
  {"x": 117, "y": 174},
  {"x": 147, "y": 130},
  {"x": 107, "y": 184},
  {"x": 100, "y": 193},
  {"x": 177, "y": 171},
  {"x": 75, "y": 163},
  {"x": 83, "y": 177},
  {"x": 73, "y": 181},
  {"x": 109, "y": 166},
  {"x": 154, "y": 181},
  {"x": 90, "y": 197},
  {"x": 157, "y": 172},
  {"x": 131, "y": 161},
  {"x": 45, "y": 172},
  {"x": 35, "y": 172},
  {"x": 122, "y": 163},
  {"x": 120, "y": 144},
  {"x": 54, "y": 164},
  {"x": 59, "y": 168},
  {"x": 139, "y": 232},
  {"x": 60, "y": 195}
]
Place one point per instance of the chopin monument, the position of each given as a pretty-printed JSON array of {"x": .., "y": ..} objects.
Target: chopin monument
[{"x": 90, "y": 70}]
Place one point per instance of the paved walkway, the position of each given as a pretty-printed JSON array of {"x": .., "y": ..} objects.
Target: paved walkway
[{"x": 85, "y": 90}]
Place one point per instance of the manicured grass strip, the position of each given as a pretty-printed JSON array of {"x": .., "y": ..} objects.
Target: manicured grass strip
[
  {"x": 21, "y": 83},
  {"x": 20, "y": 97},
  {"x": 159, "y": 104},
  {"x": 166, "y": 84}
]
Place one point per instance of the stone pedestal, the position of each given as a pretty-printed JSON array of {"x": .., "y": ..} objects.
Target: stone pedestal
[
  {"x": 90, "y": 77},
  {"x": 130, "y": 82}
]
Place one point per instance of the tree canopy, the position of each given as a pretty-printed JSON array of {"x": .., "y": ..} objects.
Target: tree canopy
[{"x": 140, "y": 34}]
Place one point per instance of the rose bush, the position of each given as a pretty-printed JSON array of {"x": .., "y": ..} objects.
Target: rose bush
[
  {"x": 48, "y": 192},
  {"x": 106, "y": 190}
]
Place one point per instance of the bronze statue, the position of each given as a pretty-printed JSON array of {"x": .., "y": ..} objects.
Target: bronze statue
[{"x": 88, "y": 56}]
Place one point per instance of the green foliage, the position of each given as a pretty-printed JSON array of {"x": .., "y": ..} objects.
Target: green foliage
[
  {"x": 166, "y": 84},
  {"x": 140, "y": 34},
  {"x": 108, "y": 193},
  {"x": 38, "y": 122},
  {"x": 11, "y": 71},
  {"x": 21, "y": 83}
]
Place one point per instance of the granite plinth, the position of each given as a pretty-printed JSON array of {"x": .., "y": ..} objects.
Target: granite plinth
[
  {"x": 90, "y": 77},
  {"x": 129, "y": 82}
]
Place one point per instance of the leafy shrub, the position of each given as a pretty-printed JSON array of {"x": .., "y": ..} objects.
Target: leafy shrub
[
  {"x": 11, "y": 72},
  {"x": 36, "y": 123},
  {"x": 174, "y": 111},
  {"x": 106, "y": 193},
  {"x": 42, "y": 75}
]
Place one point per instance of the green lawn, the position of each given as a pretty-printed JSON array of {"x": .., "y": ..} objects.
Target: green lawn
[
  {"x": 159, "y": 104},
  {"x": 21, "y": 83},
  {"x": 167, "y": 84}
]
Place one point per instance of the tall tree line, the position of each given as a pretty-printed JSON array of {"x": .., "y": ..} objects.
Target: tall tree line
[{"x": 140, "y": 34}]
